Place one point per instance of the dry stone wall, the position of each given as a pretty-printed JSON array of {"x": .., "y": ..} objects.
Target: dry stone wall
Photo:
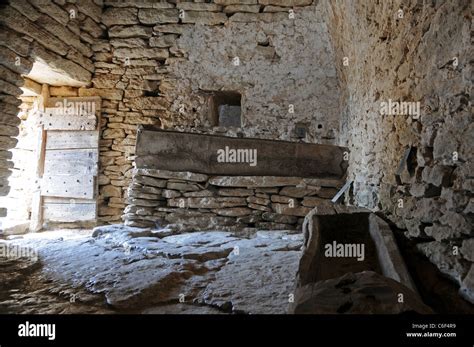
[
  {"x": 161, "y": 61},
  {"x": 187, "y": 201},
  {"x": 57, "y": 34},
  {"x": 419, "y": 52}
]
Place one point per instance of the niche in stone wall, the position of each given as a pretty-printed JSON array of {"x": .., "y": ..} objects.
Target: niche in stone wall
[{"x": 225, "y": 108}]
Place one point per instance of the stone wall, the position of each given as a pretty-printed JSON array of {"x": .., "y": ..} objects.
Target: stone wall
[
  {"x": 161, "y": 61},
  {"x": 39, "y": 33},
  {"x": 411, "y": 51},
  {"x": 188, "y": 201}
]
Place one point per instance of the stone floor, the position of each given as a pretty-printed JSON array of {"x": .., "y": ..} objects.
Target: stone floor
[{"x": 118, "y": 269}]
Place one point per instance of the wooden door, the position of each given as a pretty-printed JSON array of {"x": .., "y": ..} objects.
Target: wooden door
[{"x": 68, "y": 179}]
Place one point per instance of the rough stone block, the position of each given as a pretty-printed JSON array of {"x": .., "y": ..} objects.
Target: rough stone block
[
  {"x": 134, "y": 31},
  {"x": 122, "y": 16},
  {"x": 158, "y": 16}
]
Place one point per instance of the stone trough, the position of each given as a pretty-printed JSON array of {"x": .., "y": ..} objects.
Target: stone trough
[
  {"x": 181, "y": 182},
  {"x": 350, "y": 262}
]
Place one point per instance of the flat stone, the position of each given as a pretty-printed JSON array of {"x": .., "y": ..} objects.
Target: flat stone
[
  {"x": 199, "y": 193},
  {"x": 140, "y": 195},
  {"x": 187, "y": 176},
  {"x": 63, "y": 70},
  {"x": 158, "y": 16},
  {"x": 235, "y": 192},
  {"x": 253, "y": 181},
  {"x": 283, "y": 199},
  {"x": 123, "y": 16},
  {"x": 207, "y": 202},
  {"x": 183, "y": 187},
  {"x": 259, "y": 201},
  {"x": 150, "y": 181},
  {"x": 240, "y": 282},
  {"x": 168, "y": 193},
  {"x": 113, "y": 134},
  {"x": 259, "y": 207},
  {"x": 322, "y": 182},
  {"x": 233, "y": 212},
  {"x": 145, "y": 202},
  {"x": 163, "y": 41},
  {"x": 110, "y": 191},
  {"x": 133, "y": 31}
]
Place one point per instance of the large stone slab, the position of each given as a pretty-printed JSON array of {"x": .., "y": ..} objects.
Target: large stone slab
[
  {"x": 253, "y": 181},
  {"x": 180, "y": 151},
  {"x": 183, "y": 175}
]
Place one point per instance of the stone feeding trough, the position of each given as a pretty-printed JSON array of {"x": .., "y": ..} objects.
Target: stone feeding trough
[
  {"x": 189, "y": 181},
  {"x": 350, "y": 262}
]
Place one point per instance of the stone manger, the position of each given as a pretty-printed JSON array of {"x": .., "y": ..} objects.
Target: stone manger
[
  {"x": 178, "y": 181},
  {"x": 329, "y": 282}
]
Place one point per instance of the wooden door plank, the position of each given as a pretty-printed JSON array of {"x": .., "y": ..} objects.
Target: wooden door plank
[
  {"x": 58, "y": 200},
  {"x": 69, "y": 212},
  {"x": 52, "y": 119},
  {"x": 68, "y": 186},
  {"x": 71, "y": 162},
  {"x": 36, "y": 220},
  {"x": 75, "y": 139}
]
